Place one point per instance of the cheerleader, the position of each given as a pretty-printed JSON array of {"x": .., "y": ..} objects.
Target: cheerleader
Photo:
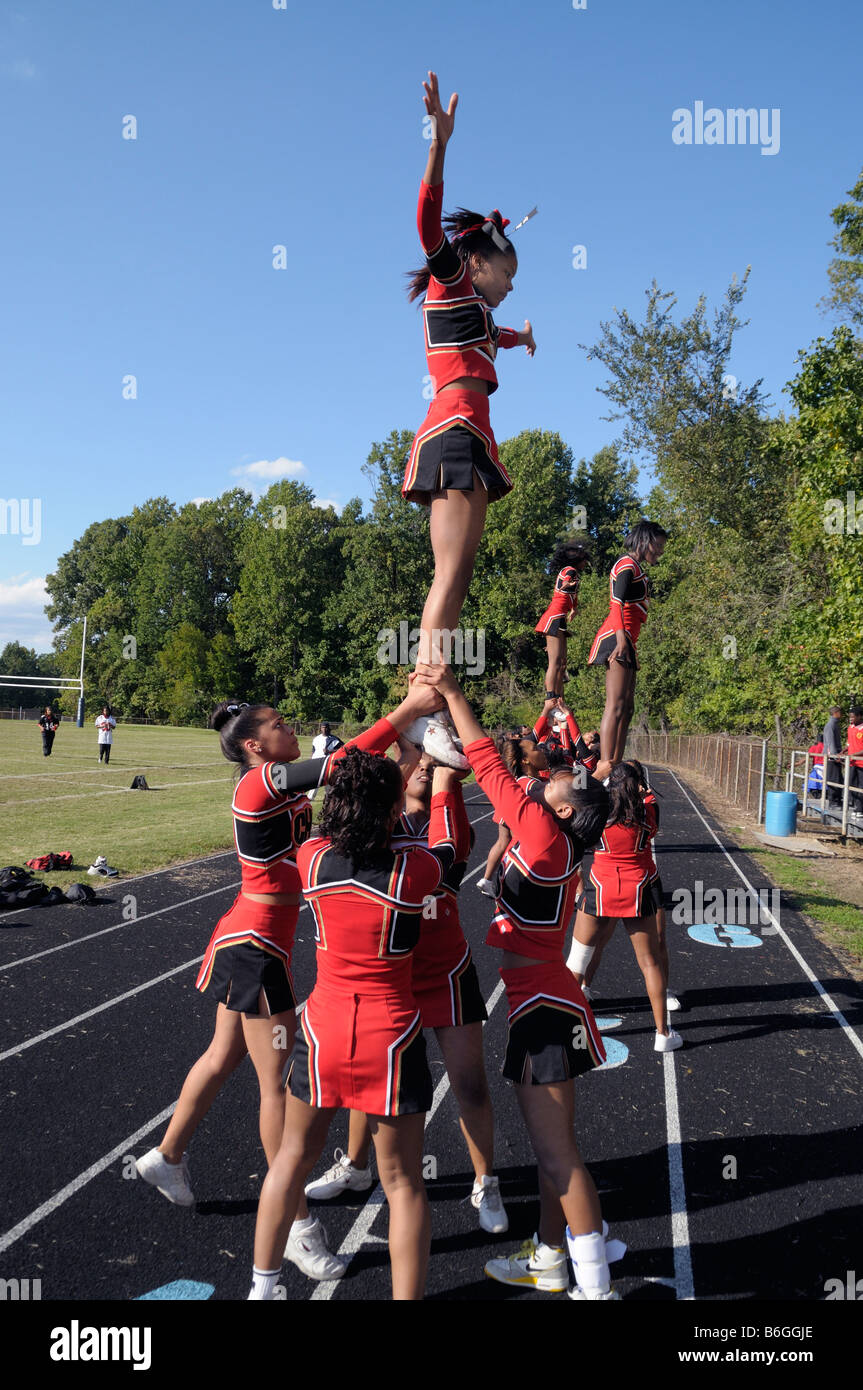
[
  {"x": 454, "y": 466},
  {"x": 651, "y": 807},
  {"x": 570, "y": 560},
  {"x": 614, "y": 644},
  {"x": 527, "y": 761},
  {"x": 619, "y": 886},
  {"x": 360, "y": 1042},
  {"x": 447, "y": 992},
  {"x": 552, "y": 1033},
  {"x": 247, "y": 965}
]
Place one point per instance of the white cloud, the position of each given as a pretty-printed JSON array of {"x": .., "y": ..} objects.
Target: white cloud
[
  {"x": 22, "y": 600},
  {"x": 199, "y": 501},
  {"x": 270, "y": 469},
  {"x": 328, "y": 502}
]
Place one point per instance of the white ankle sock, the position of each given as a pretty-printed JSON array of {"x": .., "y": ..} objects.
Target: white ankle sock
[
  {"x": 263, "y": 1283},
  {"x": 304, "y": 1223}
]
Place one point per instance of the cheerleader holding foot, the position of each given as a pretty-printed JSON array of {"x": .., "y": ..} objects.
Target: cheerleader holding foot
[
  {"x": 453, "y": 465},
  {"x": 447, "y": 993},
  {"x": 614, "y": 644},
  {"x": 360, "y": 1042},
  {"x": 570, "y": 560},
  {"x": 619, "y": 886},
  {"x": 527, "y": 761},
  {"x": 247, "y": 965},
  {"x": 552, "y": 1033}
]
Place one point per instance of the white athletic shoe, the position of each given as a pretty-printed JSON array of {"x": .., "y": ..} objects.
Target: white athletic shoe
[
  {"x": 415, "y": 732},
  {"x": 441, "y": 745},
  {"x": 342, "y": 1177},
  {"x": 667, "y": 1042},
  {"x": 308, "y": 1250},
  {"x": 672, "y": 1003},
  {"x": 486, "y": 1198},
  {"x": 171, "y": 1179},
  {"x": 579, "y": 1295},
  {"x": 102, "y": 868},
  {"x": 487, "y": 886},
  {"x": 534, "y": 1266}
]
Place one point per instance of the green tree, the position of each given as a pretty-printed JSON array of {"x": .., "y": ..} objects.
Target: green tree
[{"x": 845, "y": 271}]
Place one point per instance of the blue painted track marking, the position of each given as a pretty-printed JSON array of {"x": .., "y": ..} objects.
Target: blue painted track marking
[
  {"x": 179, "y": 1289},
  {"x": 711, "y": 934},
  {"x": 616, "y": 1054},
  {"x": 605, "y": 1025}
]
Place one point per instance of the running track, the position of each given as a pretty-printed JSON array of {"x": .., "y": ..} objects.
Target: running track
[{"x": 100, "y": 1022}]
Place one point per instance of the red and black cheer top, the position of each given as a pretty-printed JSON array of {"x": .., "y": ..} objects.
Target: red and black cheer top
[
  {"x": 628, "y": 597},
  {"x": 273, "y": 815},
  {"x": 540, "y": 876},
  {"x": 367, "y": 920},
  {"x": 461, "y": 336},
  {"x": 571, "y": 744}
]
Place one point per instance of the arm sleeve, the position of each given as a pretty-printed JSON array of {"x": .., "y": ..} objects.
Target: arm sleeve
[
  {"x": 507, "y": 337},
  {"x": 542, "y": 728},
  {"x": 443, "y": 261},
  {"x": 651, "y": 806},
  {"x": 574, "y": 733},
  {"x": 619, "y": 586},
  {"x": 527, "y": 820},
  {"x": 287, "y": 779}
]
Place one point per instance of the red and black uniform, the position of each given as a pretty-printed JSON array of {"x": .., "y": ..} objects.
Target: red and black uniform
[
  {"x": 444, "y": 979},
  {"x": 651, "y": 806},
  {"x": 552, "y": 1032},
  {"x": 531, "y": 784},
  {"x": 563, "y": 604},
  {"x": 360, "y": 1041},
  {"x": 251, "y": 947},
  {"x": 462, "y": 339},
  {"x": 571, "y": 746},
  {"x": 621, "y": 878},
  {"x": 627, "y": 611},
  {"x": 855, "y": 771}
]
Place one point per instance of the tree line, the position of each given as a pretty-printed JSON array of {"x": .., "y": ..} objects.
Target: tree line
[{"x": 757, "y": 607}]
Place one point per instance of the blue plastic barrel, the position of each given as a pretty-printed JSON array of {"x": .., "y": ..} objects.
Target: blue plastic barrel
[{"x": 780, "y": 817}]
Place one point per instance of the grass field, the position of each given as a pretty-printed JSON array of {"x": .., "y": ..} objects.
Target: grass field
[{"x": 71, "y": 802}]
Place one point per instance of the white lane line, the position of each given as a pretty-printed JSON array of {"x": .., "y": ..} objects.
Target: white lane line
[
  {"x": 101, "y": 1164},
  {"x": 810, "y": 974},
  {"x": 684, "y": 1282},
  {"x": 82, "y": 1179},
  {"x": 683, "y": 1278},
  {"x": 100, "y": 1008},
  {"x": 130, "y": 922},
  {"x": 362, "y": 1226}
]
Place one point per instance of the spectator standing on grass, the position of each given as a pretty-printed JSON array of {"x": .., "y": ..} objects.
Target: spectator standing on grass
[
  {"x": 325, "y": 742},
  {"x": 105, "y": 723},
  {"x": 831, "y": 737},
  {"x": 48, "y": 723}
]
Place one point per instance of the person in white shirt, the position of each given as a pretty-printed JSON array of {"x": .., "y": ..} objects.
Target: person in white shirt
[{"x": 105, "y": 722}]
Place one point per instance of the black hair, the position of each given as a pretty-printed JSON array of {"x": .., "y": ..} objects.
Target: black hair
[
  {"x": 642, "y": 536},
  {"x": 590, "y": 812},
  {"x": 571, "y": 553},
  {"x": 627, "y": 802},
  {"x": 364, "y": 788},
  {"x": 515, "y": 758},
  {"x": 235, "y": 723},
  {"x": 454, "y": 224}
]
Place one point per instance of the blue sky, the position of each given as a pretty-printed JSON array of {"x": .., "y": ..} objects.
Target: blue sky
[{"x": 303, "y": 127}]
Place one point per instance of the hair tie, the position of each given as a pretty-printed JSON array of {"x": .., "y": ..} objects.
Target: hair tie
[{"x": 234, "y": 710}]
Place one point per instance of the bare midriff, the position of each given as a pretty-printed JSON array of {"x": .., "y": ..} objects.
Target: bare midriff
[
  {"x": 467, "y": 383},
  {"x": 275, "y": 899},
  {"x": 510, "y": 961}
]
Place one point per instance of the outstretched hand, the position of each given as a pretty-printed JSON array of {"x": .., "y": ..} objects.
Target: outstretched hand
[
  {"x": 529, "y": 343},
  {"x": 443, "y": 121}
]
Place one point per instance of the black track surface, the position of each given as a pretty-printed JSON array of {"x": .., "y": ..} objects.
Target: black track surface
[{"x": 767, "y": 1079}]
